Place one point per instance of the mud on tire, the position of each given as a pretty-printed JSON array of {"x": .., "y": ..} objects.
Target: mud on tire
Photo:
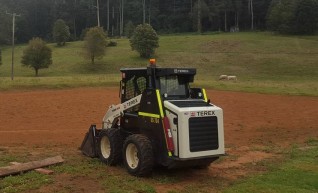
[
  {"x": 138, "y": 155},
  {"x": 110, "y": 145}
]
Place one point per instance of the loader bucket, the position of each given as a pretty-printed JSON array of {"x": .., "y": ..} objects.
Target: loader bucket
[{"x": 89, "y": 144}]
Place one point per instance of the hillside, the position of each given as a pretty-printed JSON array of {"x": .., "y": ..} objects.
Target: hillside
[{"x": 262, "y": 62}]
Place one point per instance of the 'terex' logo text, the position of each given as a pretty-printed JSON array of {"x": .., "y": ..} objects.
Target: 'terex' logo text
[{"x": 202, "y": 113}]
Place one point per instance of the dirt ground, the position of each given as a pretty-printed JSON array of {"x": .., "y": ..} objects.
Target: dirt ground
[{"x": 252, "y": 121}]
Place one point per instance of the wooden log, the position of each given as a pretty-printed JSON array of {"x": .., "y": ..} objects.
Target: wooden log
[
  {"x": 23, "y": 167},
  {"x": 39, "y": 170}
]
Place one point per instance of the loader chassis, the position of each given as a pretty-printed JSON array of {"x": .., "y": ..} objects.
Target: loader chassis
[{"x": 161, "y": 120}]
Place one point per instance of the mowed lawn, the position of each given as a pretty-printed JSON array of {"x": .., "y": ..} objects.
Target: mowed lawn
[{"x": 263, "y": 62}]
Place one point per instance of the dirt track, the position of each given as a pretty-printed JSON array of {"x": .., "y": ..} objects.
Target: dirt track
[{"x": 63, "y": 116}]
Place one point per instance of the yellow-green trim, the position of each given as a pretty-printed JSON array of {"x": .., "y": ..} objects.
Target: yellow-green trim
[
  {"x": 204, "y": 95},
  {"x": 162, "y": 115},
  {"x": 159, "y": 103},
  {"x": 149, "y": 115}
]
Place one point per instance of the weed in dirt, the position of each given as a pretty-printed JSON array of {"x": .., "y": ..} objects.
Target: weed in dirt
[
  {"x": 198, "y": 188},
  {"x": 6, "y": 159},
  {"x": 124, "y": 183},
  {"x": 293, "y": 152},
  {"x": 162, "y": 175},
  {"x": 165, "y": 179},
  {"x": 4, "y": 149},
  {"x": 172, "y": 191},
  {"x": 26, "y": 182},
  {"x": 312, "y": 142},
  {"x": 221, "y": 159},
  {"x": 78, "y": 165},
  {"x": 270, "y": 148},
  {"x": 233, "y": 157}
]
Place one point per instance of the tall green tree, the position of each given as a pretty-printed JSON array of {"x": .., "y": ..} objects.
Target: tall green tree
[
  {"x": 95, "y": 42},
  {"x": 37, "y": 55},
  {"x": 5, "y": 25},
  {"x": 145, "y": 40},
  {"x": 165, "y": 16},
  {"x": 200, "y": 11},
  {"x": 293, "y": 16},
  {"x": 129, "y": 29},
  {"x": 238, "y": 5},
  {"x": 306, "y": 17},
  {"x": 281, "y": 16},
  {"x": 251, "y": 12},
  {"x": 0, "y": 57},
  {"x": 61, "y": 32}
]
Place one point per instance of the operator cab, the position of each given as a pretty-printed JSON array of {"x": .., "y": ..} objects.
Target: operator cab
[{"x": 172, "y": 83}]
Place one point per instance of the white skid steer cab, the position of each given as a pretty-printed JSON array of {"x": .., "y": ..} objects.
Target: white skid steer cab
[{"x": 160, "y": 121}]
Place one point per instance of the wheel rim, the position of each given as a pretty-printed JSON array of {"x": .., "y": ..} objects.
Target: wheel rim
[
  {"x": 132, "y": 156},
  {"x": 105, "y": 147}
]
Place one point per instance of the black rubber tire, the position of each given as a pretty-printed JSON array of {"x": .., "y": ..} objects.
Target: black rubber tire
[
  {"x": 115, "y": 145},
  {"x": 145, "y": 155}
]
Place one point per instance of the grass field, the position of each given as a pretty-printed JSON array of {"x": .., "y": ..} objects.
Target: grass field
[
  {"x": 262, "y": 62},
  {"x": 296, "y": 171}
]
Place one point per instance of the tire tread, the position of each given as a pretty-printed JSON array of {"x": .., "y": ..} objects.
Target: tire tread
[
  {"x": 116, "y": 144},
  {"x": 145, "y": 154}
]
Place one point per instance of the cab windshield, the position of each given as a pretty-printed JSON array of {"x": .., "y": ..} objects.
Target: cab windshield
[{"x": 173, "y": 86}]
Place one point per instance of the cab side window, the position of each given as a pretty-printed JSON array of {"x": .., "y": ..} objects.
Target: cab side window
[{"x": 134, "y": 87}]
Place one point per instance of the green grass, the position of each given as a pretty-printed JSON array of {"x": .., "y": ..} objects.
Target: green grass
[
  {"x": 262, "y": 62},
  {"x": 59, "y": 82},
  {"x": 295, "y": 171},
  {"x": 299, "y": 174},
  {"x": 26, "y": 182}
]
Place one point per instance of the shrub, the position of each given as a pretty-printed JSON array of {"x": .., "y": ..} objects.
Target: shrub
[
  {"x": 0, "y": 57},
  {"x": 37, "y": 55},
  {"x": 145, "y": 40},
  {"x": 61, "y": 32},
  {"x": 95, "y": 43},
  {"x": 129, "y": 29},
  {"x": 112, "y": 43}
]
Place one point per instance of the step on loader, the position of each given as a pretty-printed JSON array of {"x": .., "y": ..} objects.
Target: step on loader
[{"x": 160, "y": 120}]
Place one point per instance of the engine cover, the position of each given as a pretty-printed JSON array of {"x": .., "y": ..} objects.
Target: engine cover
[{"x": 196, "y": 127}]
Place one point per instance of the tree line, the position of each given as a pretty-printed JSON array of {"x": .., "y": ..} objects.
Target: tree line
[
  {"x": 38, "y": 55},
  {"x": 165, "y": 16}
]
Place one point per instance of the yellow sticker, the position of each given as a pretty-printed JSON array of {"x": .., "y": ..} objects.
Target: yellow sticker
[{"x": 154, "y": 120}]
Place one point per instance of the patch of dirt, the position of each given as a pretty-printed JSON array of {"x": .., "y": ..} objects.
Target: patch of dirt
[
  {"x": 220, "y": 46},
  {"x": 239, "y": 158},
  {"x": 235, "y": 165},
  {"x": 59, "y": 119},
  {"x": 70, "y": 183}
]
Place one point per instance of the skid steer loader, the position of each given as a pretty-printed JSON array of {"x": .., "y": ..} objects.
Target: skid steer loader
[{"x": 160, "y": 121}]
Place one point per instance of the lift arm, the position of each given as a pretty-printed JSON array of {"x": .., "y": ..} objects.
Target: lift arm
[{"x": 116, "y": 111}]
